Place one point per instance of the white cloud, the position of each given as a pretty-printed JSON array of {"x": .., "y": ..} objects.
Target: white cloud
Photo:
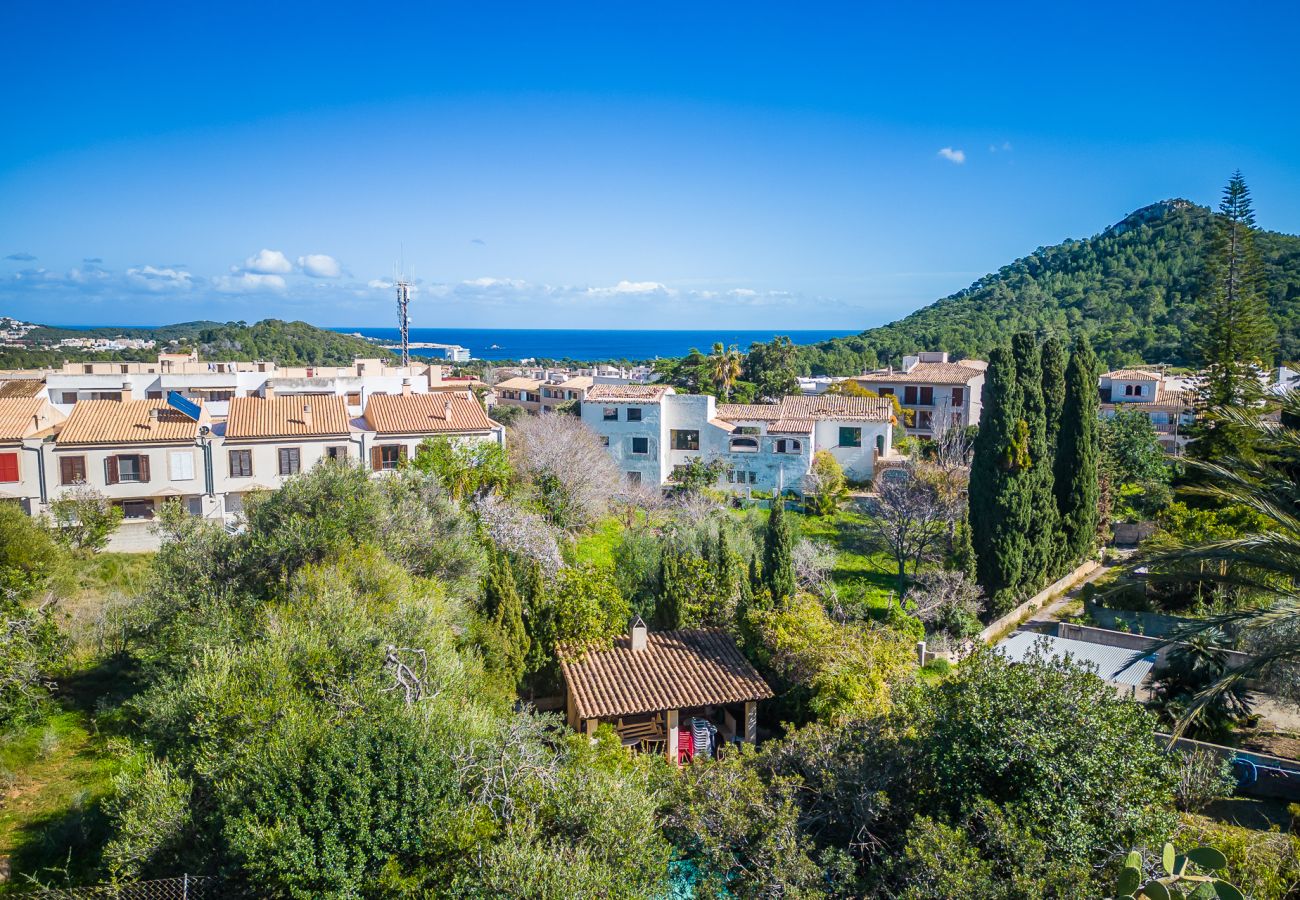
[
  {"x": 248, "y": 282},
  {"x": 319, "y": 265},
  {"x": 1004, "y": 147},
  {"x": 268, "y": 262},
  {"x": 953, "y": 156},
  {"x": 495, "y": 282},
  {"x": 633, "y": 287},
  {"x": 153, "y": 278}
]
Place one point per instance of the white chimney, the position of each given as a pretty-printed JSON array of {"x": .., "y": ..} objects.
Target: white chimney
[
  {"x": 306, "y": 414},
  {"x": 406, "y": 387},
  {"x": 126, "y": 391},
  {"x": 446, "y": 407},
  {"x": 637, "y": 631},
  {"x": 268, "y": 391}
]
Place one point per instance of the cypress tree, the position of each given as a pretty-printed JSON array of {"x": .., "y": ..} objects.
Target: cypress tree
[
  {"x": 1236, "y": 335},
  {"x": 1077, "y": 453},
  {"x": 726, "y": 577},
  {"x": 507, "y": 616},
  {"x": 532, "y": 591},
  {"x": 1054, "y": 361},
  {"x": 999, "y": 510},
  {"x": 778, "y": 554},
  {"x": 1040, "y": 552}
]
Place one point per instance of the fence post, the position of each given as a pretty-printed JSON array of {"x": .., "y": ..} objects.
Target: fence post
[{"x": 185, "y": 886}]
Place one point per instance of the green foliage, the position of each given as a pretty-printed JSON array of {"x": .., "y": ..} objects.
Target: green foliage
[
  {"x": 1131, "y": 449},
  {"x": 1189, "y": 669},
  {"x": 1134, "y": 290},
  {"x": 1054, "y": 361},
  {"x": 84, "y": 519},
  {"x": 773, "y": 369},
  {"x": 686, "y": 589},
  {"x": 697, "y": 475},
  {"x": 508, "y": 651},
  {"x": 828, "y": 488},
  {"x": 1077, "y": 454},
  {"x": 1041, "y": 559},
  {"x": 1005, "y": 732},
  {"x": 1176, "y": 876},
  {"x": 150, "y": 810},
  {"x": 508, "y": 415},
  {"x": 30, "y": 642},
  {"x": 1264, "y": 864},
  {"x": 778, "y": 554},
  {"x": 465, "y": 469}
]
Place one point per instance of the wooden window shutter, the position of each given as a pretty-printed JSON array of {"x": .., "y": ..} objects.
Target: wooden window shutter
[
  {"x": 401, "y": 452},
  {"x": 376, "y": 458},
  {"x": 110, "y": 470},
  {"x": 144, "y": 467},
  {"x": 8, "y": 467}
]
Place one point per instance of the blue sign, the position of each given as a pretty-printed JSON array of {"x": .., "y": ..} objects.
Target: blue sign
[{"x": 180, "y": 403}]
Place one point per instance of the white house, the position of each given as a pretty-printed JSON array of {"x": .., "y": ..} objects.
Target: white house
[
  {"x": 1166, "y": 401},
  {"x": 395, "y": 425},
  {"x": 651, "y": 431},
  {"x": 936, "y": 391},
  {"x": 24, "y": 424}
]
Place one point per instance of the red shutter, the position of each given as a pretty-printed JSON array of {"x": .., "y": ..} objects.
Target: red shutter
[
  {"x": 110, "y": 470},
  {"x": 144, "y": 467},
  {"x": 8, "y": 466}
]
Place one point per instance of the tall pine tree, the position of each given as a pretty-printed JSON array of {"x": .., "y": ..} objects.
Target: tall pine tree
[
  {"x": 1236, "y": 334},
  {"x": 1040, "y": 550},
  {"x": 1078, "y": 449},
  {"x": 1054, "y": 361},
  {"x": 778, "y": 554},
  {"x": 999, "y": 507}
]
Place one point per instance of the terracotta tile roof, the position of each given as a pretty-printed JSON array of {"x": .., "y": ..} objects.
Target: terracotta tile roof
[
  {"x": 425, "y": 413},
  {"x": 21, "y": 387},
  {"x": 258, "y": 417},
  {"x": 576, "y": 383},
  {"x": 792, "y": 426},
  {"x": 925, "y": 373},
  {"x": 676, "y": 670},
  {"x": 519, "y": 383},
  {"x": 1132, "y": 375},
  {"x": 646, "y": 393},
  {"x": 798, "y": 411},
  {"x": 22, "y": 417},
  {"x": 128, "y": 421}
]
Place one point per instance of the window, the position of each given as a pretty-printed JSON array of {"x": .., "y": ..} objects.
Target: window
[
  {"x": 924, "y": 421},
  {"x": 105, "y": 395},
  {"x": 640, "y": 446},
  {"x": 68, "y": 397},
  {"x": 387, "y": 457},
  {"x": 9, "y": 467},
  {"x": 909, "y": 395},
  {"x": 339, "y": 452},
  {"x": 744, "y": 444},
  {"x": 354, "y": 398},
  {"x": 241, "y": 463},
  {"x": 788, "y": 445},
  {"x": 181, "y": 465},
  {"x": 633, "y": 477},
  {"x": 72, "y": 470},
  {"x": 753, "y": 477},
  {"x": 137, "y": 509},
  {"x": 132, "y": 468},
  {"x": 1132, "y": 390},
  {"x": 886, "y": 392},
  {"x": 850, "y": 437},
  {"x": 958, "y": 396},
  {"x": 685, "y": 439},
  {"x": 153, "y": 395},
  {"x": 927, "y": 396},
  {"x": 290, "y": 461},
  {"x": 604, "y": 440},
  {"x": 219, "y": 396},
  {"x": 610, "y": 414},
  {"x": 634, "y": 414},
  {"x": 747, "y": 429}
]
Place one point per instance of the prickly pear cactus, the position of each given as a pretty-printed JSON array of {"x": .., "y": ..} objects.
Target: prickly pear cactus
[{"x": 1186, "y": 876}]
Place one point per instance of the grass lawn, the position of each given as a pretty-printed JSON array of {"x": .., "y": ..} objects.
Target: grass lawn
[{"x": 596, "y": 547}]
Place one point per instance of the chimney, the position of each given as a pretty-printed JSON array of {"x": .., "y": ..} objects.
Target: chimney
[
  {"x": 637, "y": 631},
  {"x": 268, "y": 391},
  {"x": 154, "y": 414},
  {"x": 306, "y": 415},
  {"x": 446, "y": 407},
  {"x": 406, "y": 387},
  {"x": 126, "y": 392}
]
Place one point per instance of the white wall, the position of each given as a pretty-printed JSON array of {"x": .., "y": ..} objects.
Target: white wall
[{"x": 652, "y": 465}]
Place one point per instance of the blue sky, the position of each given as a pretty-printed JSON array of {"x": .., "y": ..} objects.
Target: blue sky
[{"x": 606, "y": 165}]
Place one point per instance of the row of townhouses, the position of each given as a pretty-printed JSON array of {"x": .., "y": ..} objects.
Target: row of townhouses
[
  {"x": 651, "y": 431},
  {"x": 142, "y": 452},
  {"x": 540, "y": 391}
]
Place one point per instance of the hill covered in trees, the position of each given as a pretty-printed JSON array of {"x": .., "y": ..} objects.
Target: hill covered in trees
[
  {"x": 1131, "y": 289},
  {"x": 286, "y": 343}
]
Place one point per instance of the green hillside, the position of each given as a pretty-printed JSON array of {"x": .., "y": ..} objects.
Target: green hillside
[
  {"x": 286, "y": 343},
  {"x": 1132, "y": 288}
]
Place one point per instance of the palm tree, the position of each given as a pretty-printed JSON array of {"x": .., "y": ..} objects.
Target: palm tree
[
  {"x": 725, "y": 366},
  {"x": 1263, "y": 565}
]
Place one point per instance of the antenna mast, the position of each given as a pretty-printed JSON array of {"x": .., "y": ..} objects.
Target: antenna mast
[{"x": 404, "y": 318}]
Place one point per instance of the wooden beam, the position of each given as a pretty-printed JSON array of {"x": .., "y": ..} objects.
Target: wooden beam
[{"x": 672, "y": 736}]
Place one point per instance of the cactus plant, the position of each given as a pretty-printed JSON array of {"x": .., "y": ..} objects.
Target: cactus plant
[{"x": 1179, "y": 880}]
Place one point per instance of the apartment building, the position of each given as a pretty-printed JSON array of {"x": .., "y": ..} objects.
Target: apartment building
[
  {"x": 651, "y": 431},
  {"x": 396, "y": 425},
  {"x": 267, "y": 440},
  {"x": 1166, "y": 401},
  {"x": 520, "y": 391},
  {"x": 566, "y": 391},
  {"x": 934, "y": 392},
  {"x": 24, "y": 421},
  {"x": 137, "y": 453}
]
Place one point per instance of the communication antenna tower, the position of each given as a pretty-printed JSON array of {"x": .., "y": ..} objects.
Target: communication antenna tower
[{"x": 404, "y": 318}]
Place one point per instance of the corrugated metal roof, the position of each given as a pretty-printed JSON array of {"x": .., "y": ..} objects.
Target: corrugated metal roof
[
  {"x": 1118, "y": 665},
  {"x": 443, "y": 412},
  {"x": 312, "y": 416},
  {"x": 128, "y": 421}
]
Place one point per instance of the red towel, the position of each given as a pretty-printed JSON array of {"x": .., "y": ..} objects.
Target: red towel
[{"x": 685, "y": 745}]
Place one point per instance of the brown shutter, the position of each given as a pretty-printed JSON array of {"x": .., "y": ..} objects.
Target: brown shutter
[
  {"x": 110, "y": 470},
  {"x": 401, "y": 452},
  {"x": 144, "y": 467},
  {"x": 376, "y": 458},
  {"x": 67, "y": 472}
]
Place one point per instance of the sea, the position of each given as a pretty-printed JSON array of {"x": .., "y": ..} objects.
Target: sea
[{"x": 583, "y": 344}]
